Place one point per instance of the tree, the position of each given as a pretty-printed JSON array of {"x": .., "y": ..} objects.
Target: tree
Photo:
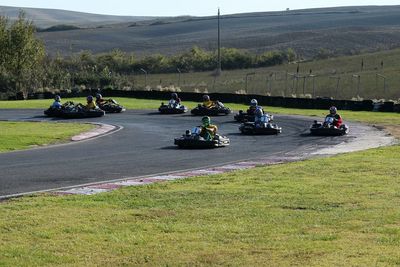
[{"x": 26, "y": 53}]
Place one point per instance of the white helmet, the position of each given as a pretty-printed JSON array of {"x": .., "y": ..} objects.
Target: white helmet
[{"x": 254, "y": 102}]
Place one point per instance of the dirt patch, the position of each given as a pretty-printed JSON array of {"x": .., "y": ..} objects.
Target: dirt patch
[{"x": 394, "y": 130}]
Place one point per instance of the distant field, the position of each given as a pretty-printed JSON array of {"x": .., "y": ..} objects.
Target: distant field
[
  {"x": 43, "y": 17},
  {"x": 275, "y": 81},
  {"x": 341, "y": 30}
]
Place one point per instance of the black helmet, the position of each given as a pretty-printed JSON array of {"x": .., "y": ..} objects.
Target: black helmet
[
  {"x": 206, "y": 98},
  {"x": 174, "y": 96}
]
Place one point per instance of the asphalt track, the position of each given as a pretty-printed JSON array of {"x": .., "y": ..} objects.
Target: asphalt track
[{"x": 143, "y": 147}]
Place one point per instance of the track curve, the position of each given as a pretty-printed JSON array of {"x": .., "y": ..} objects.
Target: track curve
[{"x": 143, "y": 147}]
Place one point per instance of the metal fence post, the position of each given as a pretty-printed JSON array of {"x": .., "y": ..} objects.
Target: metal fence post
[
  {"x": 247, "y": 77},
  {"x": 145, "y": 76}
]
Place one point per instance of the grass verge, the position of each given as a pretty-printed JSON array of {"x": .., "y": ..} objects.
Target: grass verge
[
  {"x": 336, "y": 211},
  {"x": 22, "y": 135}
]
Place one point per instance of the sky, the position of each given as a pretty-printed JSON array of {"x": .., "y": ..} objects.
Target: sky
[{"x": 185, "y": 7}]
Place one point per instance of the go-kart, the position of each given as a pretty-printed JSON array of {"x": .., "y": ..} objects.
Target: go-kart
[
  {"x": 79, "y": 111},
  {"x": 111, "y": 106},
  {"x": 57, "y": 112},
  {"x": 172, "y": 108},
  {"x": 217, "y": 109},
  {"x": 244, "y": 117},
  {"x": 263, "y": 127},
  {"x": 247, "y": 116},
  {"x": 53, "y": 112},
  {"x": 327, "y": 128},
  {"x": 192, "y": 139}
]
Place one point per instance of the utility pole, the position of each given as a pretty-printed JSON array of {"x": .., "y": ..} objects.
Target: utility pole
[{"x": 219, "y": 70}]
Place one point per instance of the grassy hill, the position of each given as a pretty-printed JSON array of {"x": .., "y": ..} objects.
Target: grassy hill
[
  {"x": 44, "y": 18},
  {"x": 276, "y": 81},
  {"x": 343, "y": 31}
]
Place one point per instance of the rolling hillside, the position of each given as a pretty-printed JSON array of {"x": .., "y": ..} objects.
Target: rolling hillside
[
  {"x": 44, "y": 18},
  {"x": 340, "y": 30}
]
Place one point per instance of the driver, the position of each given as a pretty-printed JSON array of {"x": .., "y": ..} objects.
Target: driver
[
  {"x": 90, "y": 103},
  {"x": 337, "y": 119},
  {"x": 208, "y": 130},
  {"x": 57, "y": 102},
  {"x": 253, "y": 106},
  {"x": 207, "y": 102},
  {"x": 99, "y": 99},
  {"x": 175, "y": 100},
  {"x": 258, "y": 116}
]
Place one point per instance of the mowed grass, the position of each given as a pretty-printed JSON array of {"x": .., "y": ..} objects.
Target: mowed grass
[
  {"x": 341, "y": 211},
  {"x": 22, "y": 135}
]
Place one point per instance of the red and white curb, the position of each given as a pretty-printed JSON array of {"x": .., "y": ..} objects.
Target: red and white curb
[
  {"x": 100, "y": 130},
  {"x": 113, "y": 185}
]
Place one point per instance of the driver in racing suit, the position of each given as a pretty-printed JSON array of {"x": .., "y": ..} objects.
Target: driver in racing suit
[
  {"x": 208, "y": 130},
  {"x": 337, "y": 119},
  {"x": 207, "y": 102},
  {"x": 175, "y": 101},
  {"x": 90, "y": 103},
  {"x": 99, "y": 99},
  {"x": 258, "y": 116},
  {"x": 57, "y": 102},
  {"x": 253, "y": 107}
]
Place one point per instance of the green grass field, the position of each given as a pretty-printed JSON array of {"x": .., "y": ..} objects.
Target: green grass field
[
  {"x": 321, "y": 212},
  {"x": 22, "y": 135}
]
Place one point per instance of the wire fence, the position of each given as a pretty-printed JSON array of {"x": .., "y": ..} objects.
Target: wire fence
[{"x": 364, "y": 85}]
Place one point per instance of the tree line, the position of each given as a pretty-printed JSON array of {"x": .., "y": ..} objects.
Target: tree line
[{"x": 24, "y": 65}]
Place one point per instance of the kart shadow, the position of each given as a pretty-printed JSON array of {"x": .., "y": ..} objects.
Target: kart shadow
[
  {"x": 161, "y": 114},
  {"x": 169, "y": 148},
  {"x": 152, "y": 113},
  {"x": 235, "y": 134},
  {"x": 39, "y": 117}
]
